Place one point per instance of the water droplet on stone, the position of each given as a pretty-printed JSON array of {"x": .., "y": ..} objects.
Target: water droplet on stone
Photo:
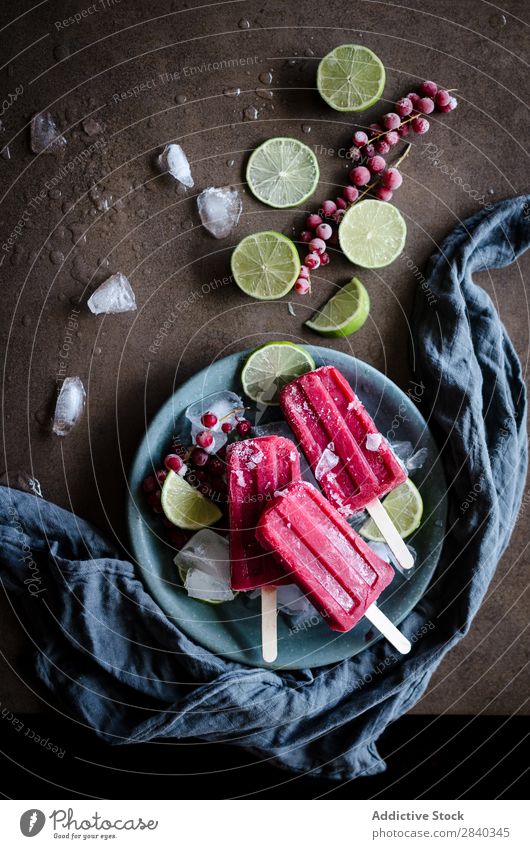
[
  {"x": 97, "y": 351},
  {"x": 55, "y": 194},
  {"x": 92, "y": 127},
  {"x": 60, "y": 52},
  {"x": 232, "y": 92},
  {"x": 306, "y": 128},
  {"x": 26, "y": 321},
  {"x": 250, "y": 113},
  {"x": 6, "y": 153},
  {"x": 57, "y": 257},
  {"x": 180, "y": 99},
  {"x": 230, "y": 162},
  {"x": 291, "y": 62},
  {"x": 309, "y": 52},
  {"x": 243, "y": 24},
  {"x": 264, "y": 93}
]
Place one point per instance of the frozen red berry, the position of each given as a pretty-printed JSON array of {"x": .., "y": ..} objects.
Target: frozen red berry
[
  {"x": 317, "y": 244},
  {"x": 377, "y": 164},
  {"x": 243, "y": 427},
  {"x": 354, "y": 154},
  {"x": 413, "y": 97},
  {"x": 304, "y": 272},
  {"x": 328, "y": 208},
  {"x": 226, "y": 427},
  {"x": 339, "y": 215},
  {"x": 453, "y": 103},
  {"x": 442, "y": 98},
  {"x": 392, "y": 179},
  {"x": 149, "y": 484},
  {"x": 428, "y": 88},
  {"x": 404, "y": 130},
  {"x": 360, "y": 175},
  {"x": 360, "y": 138},
  {"x": 199, "y": 457},
  {"x": 302, "y": 286},
  {"x": 312, "y": 221},
  {"x": 391, "y": 121},
  {"x": 350, "y": 194},
  {"x": 369, "y": 150},
  {"x": 404, "y": 106},
  {"x": 420, "y": 125},
  {"x": 306, "y": 236},
  {"x": 425, "y": 105},
  {"x": 382, "y": 147},
  {"x": 209, "y": 419},
  {"x": 173, "y": 462},
  {"x": 312, "y": 261},
  {"x": 160, "y": 476},
  {"x": 341, "y": 203},
  {"x": 375, "y": 129},
  {"x": 382, "y": 193},
  {"x": 392, "y": 137},
  {"x": 324, "y": 231},
  {"x": 324, "y": 258}
]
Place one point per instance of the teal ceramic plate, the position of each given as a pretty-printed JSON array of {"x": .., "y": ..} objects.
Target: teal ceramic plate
[{"x": 232, "y": 629}]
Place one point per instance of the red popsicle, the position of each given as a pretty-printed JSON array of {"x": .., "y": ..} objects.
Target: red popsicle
[
  {"x": 322, "y": 553},
  {"x": 257, "y": 468}
]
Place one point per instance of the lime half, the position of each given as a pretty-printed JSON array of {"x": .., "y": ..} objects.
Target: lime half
[
  {"x": 265, "y": 265},
  {"x": 344, "y": 313},
  {"x": 269, "y": 368},
  {"x": 372, "y": 233},
  {"x": 405, "y": 508},
  {"x": 282, "y": 172},
  {"x": 185, "y": 506},
  {"x": 351, "y": 78}
]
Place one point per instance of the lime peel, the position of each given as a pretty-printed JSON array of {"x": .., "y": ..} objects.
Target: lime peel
[{"x": 344, "y": 313}]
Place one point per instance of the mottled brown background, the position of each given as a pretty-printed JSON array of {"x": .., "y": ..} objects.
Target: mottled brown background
[{"x": 151, "y": 232}]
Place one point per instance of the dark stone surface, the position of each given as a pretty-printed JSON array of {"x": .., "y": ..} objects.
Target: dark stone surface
[{"x": 154, "y": 236}]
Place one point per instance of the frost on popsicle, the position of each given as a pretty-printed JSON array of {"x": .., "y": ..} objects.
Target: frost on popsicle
[
  {"x": 45, "y": 134},
  {"x": 69, "y": 407},
  {"x": 225, "y": 406},
  {"x": 174, "y": 161},
  {"x": 219, "y": 210},
  {"x": 205, "y": 560},
  {"x": 115, "y": 295}
]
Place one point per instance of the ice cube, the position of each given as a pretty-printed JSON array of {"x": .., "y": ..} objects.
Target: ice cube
[
  {"x": 113, "y": 296},
  {"x": 45, "y": 134},
  {"x": 206, "y": 561},
  {"x": 327, "y": 462},
  {"x": 225, "y": 405},
  {"x": 174, "y": 160},
  {"x": 292, "y": 600},
  {"x": 219, "y": 210},
  {"x": 69, "y": 407},
  {"x": 410, "y": 459}
]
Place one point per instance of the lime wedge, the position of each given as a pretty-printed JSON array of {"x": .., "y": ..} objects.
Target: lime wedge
[
  {"x": 185, "y": 506},
  {"x": 344, "y": 313},
  {"x": 269, "y": 368},
  {"x": 405, "y": 508},
  {"x": 282, "y": 172},
  {"x": 265, "y": 265},
  {"x": 351, "y": 78},
  {"x": 372, "y": 233}
]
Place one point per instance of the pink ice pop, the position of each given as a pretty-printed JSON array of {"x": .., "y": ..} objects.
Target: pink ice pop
[
  {"x": 257, "y": 468},
  {"x": 322, "y": 553},
  {"x": 351, "y": 460}
]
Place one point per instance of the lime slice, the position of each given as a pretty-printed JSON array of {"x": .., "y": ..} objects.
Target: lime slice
[
  {"x": 265, "y": 265},
  {"x": 185, "y": 506},
  {"x": 405, "y": 508},
  {"x": 372, "y": 233},
  {"x": 269, "y": 368},
  {"x": 282, "y": 172},
  {"x": 351, "y": 78},
  {"x": 344, "y": 313}
]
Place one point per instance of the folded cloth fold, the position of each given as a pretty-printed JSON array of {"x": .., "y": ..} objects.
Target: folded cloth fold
[{"x": 116, "y": 663}]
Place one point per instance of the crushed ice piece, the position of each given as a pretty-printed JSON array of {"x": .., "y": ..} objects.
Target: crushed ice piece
[
  {"x": 327, "y": 462},
  {"x": 219, "y": 210},
  {"x": 373, "y": 441},
  {"x": 290, "y": 308},
  {"x": 411, "y": 460},
  {"x": 225, "y": 405},
  {"x": 202, "y": 586},
  {"x": 174, "y": 161},
  {"x": 240, "y": 477},
  {"x": 208, "y": 551},
  {"x": 115, "y": 295},
  {"x": 280, "y": 492},
  {"x": 69, "y": 407},
  {"x": 21, "y": 481},
  {"x": 45, "y": 134}
]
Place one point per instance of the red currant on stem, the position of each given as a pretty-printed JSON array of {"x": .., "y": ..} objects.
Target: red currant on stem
[
  {"x": 226, "y": 427},
  {"x": 243, "y": 427}
]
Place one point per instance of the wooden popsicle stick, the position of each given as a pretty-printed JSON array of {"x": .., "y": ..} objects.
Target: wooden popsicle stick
[
  {"x": 390, "y": 533},
  {"x": 269, "y": 631},
  {"x": 388, "y": 630}
]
